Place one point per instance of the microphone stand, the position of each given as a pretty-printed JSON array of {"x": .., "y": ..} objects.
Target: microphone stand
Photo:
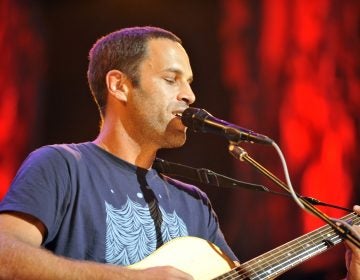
[{"x": 239, "y": 153}]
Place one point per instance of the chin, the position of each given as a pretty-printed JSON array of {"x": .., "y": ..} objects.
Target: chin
[{"x": 174, "y": 142}]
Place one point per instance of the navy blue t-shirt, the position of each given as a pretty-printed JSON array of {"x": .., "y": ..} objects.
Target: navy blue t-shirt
[{"x": 98, "y": 207}]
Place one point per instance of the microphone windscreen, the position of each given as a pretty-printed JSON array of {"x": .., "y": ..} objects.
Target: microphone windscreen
[{"x": 193, "y": 118}]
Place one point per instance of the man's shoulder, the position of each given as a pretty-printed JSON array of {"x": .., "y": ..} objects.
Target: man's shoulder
[{"x": 64, "y": 150}]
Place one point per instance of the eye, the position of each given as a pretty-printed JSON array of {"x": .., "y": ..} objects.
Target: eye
[{"x": 170, "y": 80}]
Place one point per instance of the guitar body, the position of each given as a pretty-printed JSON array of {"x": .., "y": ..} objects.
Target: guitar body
[
  {"x": 203, "y": 260},
  {"x": 197, "y": 257}
]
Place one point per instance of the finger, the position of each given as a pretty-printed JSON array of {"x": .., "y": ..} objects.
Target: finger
[{"x": 356, "y": 228}]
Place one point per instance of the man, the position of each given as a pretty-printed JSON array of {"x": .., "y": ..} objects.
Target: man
[{"x": 100, "y": 203}]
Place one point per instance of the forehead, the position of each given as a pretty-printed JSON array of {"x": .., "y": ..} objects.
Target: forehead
[{"x": 165, "y": 54}]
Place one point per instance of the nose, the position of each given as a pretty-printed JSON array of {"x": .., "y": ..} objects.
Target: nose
[{"x": 187, "y": 95}]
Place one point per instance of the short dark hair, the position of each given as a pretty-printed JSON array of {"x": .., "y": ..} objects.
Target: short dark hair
[{"x": 122, "y": 50}]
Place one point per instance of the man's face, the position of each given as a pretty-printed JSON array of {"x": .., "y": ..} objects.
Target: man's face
[{"x": 163, "y": 92}]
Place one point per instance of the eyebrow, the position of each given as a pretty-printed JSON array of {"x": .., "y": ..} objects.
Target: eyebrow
[{"x": 178, "y": 72}]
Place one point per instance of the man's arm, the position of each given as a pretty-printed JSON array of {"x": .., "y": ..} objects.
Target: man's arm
[
  {"x": 352, "y": 255},
  {"x": 21, "y": 257}
]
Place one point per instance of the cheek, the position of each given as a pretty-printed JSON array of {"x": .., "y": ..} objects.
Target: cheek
[{"x": 156, "y": 98}]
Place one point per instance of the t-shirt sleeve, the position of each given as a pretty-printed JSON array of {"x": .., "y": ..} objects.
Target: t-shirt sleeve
[{"x": 40, "y": 189}]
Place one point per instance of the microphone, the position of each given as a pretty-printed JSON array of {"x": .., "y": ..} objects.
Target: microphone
[{"x": 199, "y": 120}]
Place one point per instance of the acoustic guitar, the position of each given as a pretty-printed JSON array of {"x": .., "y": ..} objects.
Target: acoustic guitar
[{"x": 204, "y": 260}]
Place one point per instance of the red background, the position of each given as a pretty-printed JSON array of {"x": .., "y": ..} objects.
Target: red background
[{"x": 288, "y": 69}]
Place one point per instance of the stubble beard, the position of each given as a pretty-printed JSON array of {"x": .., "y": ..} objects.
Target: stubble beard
[
  {"x": 169, "y": 137},
  {"x": 163, "y": 133},
  {"x": 158, "y": 133},
  {"x": 175, "y": 140}
]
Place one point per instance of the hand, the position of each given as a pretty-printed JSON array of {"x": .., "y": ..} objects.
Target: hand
[{"x": 352, "y": 255}]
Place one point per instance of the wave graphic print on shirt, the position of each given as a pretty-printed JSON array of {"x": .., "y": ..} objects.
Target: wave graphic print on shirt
[{"x": 131, "y": 232}]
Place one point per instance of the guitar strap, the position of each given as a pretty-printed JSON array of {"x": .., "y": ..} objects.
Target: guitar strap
[{"x": 202, "y": 176}]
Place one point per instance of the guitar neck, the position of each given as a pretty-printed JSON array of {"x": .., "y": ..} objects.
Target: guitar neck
[{"x": 289, "y": 255}]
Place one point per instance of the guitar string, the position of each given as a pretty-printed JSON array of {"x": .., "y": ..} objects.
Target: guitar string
[
  {"x": 264, "y": 269},
  {"x": 270, "y": 255},
  {"x": 320, "y": 236},
  {"x": 311, "y": 251}
]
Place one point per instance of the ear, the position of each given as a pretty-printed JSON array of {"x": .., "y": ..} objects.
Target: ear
[{"x": 118, "y": 85}]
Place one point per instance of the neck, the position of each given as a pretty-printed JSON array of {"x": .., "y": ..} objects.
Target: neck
[{"x": 115, "y": 140}]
